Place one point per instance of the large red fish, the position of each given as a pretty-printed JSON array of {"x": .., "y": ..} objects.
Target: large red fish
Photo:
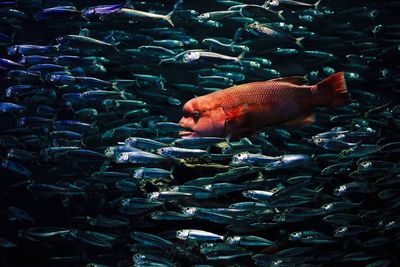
[{"x": 243, "y": 109}]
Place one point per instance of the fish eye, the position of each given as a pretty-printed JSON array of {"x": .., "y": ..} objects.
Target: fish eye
[
  {"x": 196, "y": 114},
  {"x": 191, "y": 56},
  {"x": 296, "y": 235},
  {"x": 205, "y": 16},
  {"x": 138, "y": 256},
  {"x": 274, "y": 3}
]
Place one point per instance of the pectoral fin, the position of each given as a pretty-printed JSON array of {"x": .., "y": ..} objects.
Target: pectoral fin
[
  {"x": 303, "y": 119},
  {"x": 238, "y": 117}
]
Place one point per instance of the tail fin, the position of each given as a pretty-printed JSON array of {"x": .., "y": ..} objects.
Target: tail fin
[
  {"x": 316, "y": 5},
  {"x": 240, "y": 57},
  {"x": 123, "y": 96},
  {"x": 336, "y": 86},
  {"x": 114, "y": 46},
  {"x": 171, "y": 172},
  {"x": 21, "y": 59},
  {"x": 298, "y": 41},
  {"x": 129, "y": 4},
  {"x": 168, "y": 18},
  {"x": 238, "y": 34},
  {"x": 84, "y": 32},
  {"x": 279, "y": 13}
]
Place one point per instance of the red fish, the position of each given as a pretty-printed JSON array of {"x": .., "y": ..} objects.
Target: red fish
[{"x": 243, "y": 109}]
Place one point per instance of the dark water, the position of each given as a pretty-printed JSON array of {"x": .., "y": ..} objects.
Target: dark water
[{"x": 66, "y": 199}]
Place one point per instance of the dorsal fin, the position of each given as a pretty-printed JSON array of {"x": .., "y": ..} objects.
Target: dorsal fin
[{"x": 297, "y": 80}]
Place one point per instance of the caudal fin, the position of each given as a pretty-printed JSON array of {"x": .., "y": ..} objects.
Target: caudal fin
[
  {"x": 299, "y": 41},
  {"x": 316, "y": 5},
  {"x": 335, "y": 86},
  {"x": 279, "y": 13},
  {"x": 168, "y": 18}
]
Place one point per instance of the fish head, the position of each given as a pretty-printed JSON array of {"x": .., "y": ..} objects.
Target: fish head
[
  {"x": 255, "y": 28},
  {"x": 12, "y": 50},
  {"x": 164, "y": 151},
  {"x": 248, "y": 194},
  {"x": 272, "y": 3},
  {"x": 125, "y": 202},
  {"x": 204, "y": 17},
  {"x": 190, "y": 210},
  {"x": 340, "y": 190},
  {"x": 153, "y": 195},
  {"x": 88, "y": 12},
  {"x": 207, "y": 187},
  {"x": 138, "y": 173},
  {"x": 156, "y": 215},
  {"x": 239, "y": 159},
  {"x": 139, "y": 256},
  {"x": 182, "y": 234},
  {"x": 295, "y": 236},
  {"x": 253, "y": 25},
  {"x": 122, "y": 157},
  {"x": 327, "y": 207},
  {"x": 233, "y": 240},
  {"x": 201, "y": 117},
  {"x": 191, "y": 56}
]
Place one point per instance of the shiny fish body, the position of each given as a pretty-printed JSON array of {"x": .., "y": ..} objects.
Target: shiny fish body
[
  {"x": 138, "y": 157},
  {"x": 251, "y": 159},
  {"x": 199, "y": 235},
  {"x": 176, "y": 152},
  {"x": 149, "y": 173}
]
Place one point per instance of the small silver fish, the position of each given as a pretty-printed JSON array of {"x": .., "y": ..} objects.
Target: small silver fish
[
  {"x": 177, "y": 152},
  {"x": 198, "y": 235}
]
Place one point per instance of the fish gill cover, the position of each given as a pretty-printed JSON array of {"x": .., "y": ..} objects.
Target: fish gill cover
[{"x": 93, "y": 172}]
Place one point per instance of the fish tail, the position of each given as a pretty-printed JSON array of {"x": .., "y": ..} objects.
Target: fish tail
[
  {"x": 114, "y": 46},
  {"x": 336, "y": 86},
  {"x": 241, "y": 12},
  {"x": 22, "y": 59},
  {"x": 129, "y": 4},
  {"x": 178, "y": 5},
  {"x": 298, "y": 41},
  {"x": 168, "y": 18},
  {"x": 240, "y": 57},
  {"x": 316, "y": 5},
  {"x": 114, "y": 86},
  {"x": 57, "y": 47},
  {"x": 279, "y": 13},
  {"x": 123, "y": 96},
  {"x": 237, "y": 35},
  {"x": 171, "y": 172}
]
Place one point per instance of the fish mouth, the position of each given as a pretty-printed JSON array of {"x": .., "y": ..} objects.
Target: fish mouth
[{"x": 188, "y": 133}]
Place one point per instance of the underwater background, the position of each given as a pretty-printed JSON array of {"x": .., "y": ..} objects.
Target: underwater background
[{"x": 93, "y": 172}]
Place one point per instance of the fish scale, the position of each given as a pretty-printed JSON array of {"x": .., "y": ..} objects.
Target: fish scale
[{"x": 252, "y": 106}]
